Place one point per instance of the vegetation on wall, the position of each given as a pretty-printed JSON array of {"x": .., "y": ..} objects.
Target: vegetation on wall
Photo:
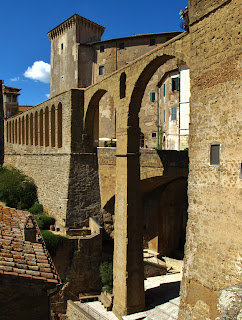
[
  {"x": 160, "y": 139},
  {"x": 16, "y": 189},
  {"x": 19, "y": 191},
  {"x": 106, "y": 274}
]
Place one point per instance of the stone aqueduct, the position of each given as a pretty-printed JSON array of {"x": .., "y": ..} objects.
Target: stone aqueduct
[{"x": 68, "y": 164}]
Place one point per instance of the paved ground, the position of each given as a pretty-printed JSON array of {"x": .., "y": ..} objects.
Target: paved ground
[{"x": 162, "y": 300}]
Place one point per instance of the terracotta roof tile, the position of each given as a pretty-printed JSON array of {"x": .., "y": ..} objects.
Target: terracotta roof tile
[{"x": 19, "y": 257}]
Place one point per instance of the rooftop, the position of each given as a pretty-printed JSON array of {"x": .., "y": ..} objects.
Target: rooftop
[{"x": 19, "y": 257}]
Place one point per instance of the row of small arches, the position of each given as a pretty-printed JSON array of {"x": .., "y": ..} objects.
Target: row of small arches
[{"x": 42, "y": 128}]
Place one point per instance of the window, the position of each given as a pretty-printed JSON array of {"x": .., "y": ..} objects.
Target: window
[
  {"x": 101, "y": 70},
  {"x": 152, "y": 96},
  {"x": 14, "y": 99},
  {"x": 121, "y": 46},
  {"x": 62, "y": 46},
  {"x": 164, "y": 90},
  {"x": 173, "y": 113},
  {"x": 153, "y": 134},
  {"x": 101, "y": 48},
  {"x": 7, "y": 99},
  {"x": 152, "y": 42},
  {"x": 164, "y": 115},
  {"x": 122, "y": 86},
  {"x": 175, "y": 84},
  {"x": 215, "y": 154}
]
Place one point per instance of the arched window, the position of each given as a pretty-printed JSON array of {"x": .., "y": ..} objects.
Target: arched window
[
  {"x": 47, "y": 134},
  {"x": 122, "y": 85},
  {"x": 10, "y": 132},
  {"x": 36, "y": 128},
  {"x": 13, "y": 137},
  {"x": 27, "y": 130},
  {"x": 41, "y": 128},
  {"x": 16, "y": 131},
  {"x": 23, "y": 131},
  {"x": 19, "y": 130},
  {"x": 7, "y": 131},
  {"x": 52, "y": 126},
  {"x": 59, "y": 115},
  {"x": 31, "y": 129}
]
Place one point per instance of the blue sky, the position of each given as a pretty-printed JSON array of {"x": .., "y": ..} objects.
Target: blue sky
[{"x": 24, "y": 27}]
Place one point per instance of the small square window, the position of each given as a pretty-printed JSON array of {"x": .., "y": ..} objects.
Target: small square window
[
  {"x": 173, "y": 113},
  {"x": 152, "y": 42},
  {"x": 153, "y": 134},
  {"x": 215, "y": 154},
  {"x": 121, "y": 46},
  {"x": 152, "y": 96},
  {"x": 101, "y": 70},
  {"x": 101, "y": 48}
]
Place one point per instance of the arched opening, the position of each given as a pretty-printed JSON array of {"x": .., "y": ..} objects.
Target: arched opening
[
  {"x": 19, "y": 130},
  {"x": 16, "y": 131},
  {"x": 31, "y": 129},
  {"x": 47, "y": 139},
  {"x": 52, "y": 124},
  {"x": 128, "y": 198},
  {"x": 23, "y": 131},
  {"x": 7, "y": 131},
  {"x": 122, "y": 85},
  {"x": 41, "y": 128},
  {"x": 27, "y": 130},
  {"x": 36, "y": 129},
  {"x": 92, "y": 120},
  {"x": 59, "y": 123}
]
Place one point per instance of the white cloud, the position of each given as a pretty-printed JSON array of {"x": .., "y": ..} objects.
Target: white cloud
[
  {"x": 15, "y": 79},
  {"x": 47, "y": 95},
  {"x": 40, "y": 71}
]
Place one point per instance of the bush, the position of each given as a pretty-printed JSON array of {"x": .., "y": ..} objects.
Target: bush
[
  {"x": 106, "y": 273},
  {"x": 52, "y": 241},
  {"x": 44, "y": 221},
  {"x": 36, "y": 208},
  {"x": 16, "y": 189}
]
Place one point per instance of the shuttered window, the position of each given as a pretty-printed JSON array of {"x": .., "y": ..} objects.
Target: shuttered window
[
  {"x": 175, "y": 84},
  {"x": 215, "y": 154},
  {"x": 152, "y": 96},
  {"x": 164, "y": 90},
  {"x": 173, "y": 113}
]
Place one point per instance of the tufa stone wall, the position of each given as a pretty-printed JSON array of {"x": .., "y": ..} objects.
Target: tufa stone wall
[{"x": 213, "y": 247}]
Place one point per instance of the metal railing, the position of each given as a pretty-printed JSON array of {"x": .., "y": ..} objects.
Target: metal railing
[{"x": 92, "y": 312}]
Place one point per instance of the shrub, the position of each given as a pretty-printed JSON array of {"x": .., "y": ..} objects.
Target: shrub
[
  {"x": 16, "y": 189},
  {"x": 44, "y": 221},
  {"x": 106, "y": 273},
  {"x": 36, "y": 208},
  {"x": 52, "y": 241}
]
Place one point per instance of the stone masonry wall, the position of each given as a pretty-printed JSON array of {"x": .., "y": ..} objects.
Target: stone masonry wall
[{"x": 213, "y": 247}]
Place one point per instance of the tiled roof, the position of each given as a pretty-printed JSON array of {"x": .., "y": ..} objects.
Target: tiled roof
[{"x": 19, "y": 257}]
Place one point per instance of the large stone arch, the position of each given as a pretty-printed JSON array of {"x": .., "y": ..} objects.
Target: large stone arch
[{"x": 128, "y": 247}]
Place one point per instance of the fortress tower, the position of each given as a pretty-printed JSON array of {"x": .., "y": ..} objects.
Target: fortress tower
[{"x": 71, "y": 54}]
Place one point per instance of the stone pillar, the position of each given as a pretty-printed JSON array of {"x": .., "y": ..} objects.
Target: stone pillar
[{"x": 128, "y": 270}]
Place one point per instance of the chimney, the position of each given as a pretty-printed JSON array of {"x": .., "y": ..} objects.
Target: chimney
[{"x": 29, "y": 233}]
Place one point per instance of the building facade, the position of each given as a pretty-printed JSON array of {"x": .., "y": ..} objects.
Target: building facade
[{"x": 79, "y": 59}]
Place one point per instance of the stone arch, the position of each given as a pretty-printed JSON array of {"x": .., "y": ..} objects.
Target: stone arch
[
  {"x": 47, "y": 134},
  {"x": 52, "y": 126},
  {"x": 16, "y": 131},
  {"x": 23, "y": 131},
  {"x": 31, "y": 129},
  {"x": 19, "y": 130},
  {"x": 92, "y": 117},
  {"x": 36, "y": 128},
  {"x": 27, "y": 129},
  {"x": 59, "y": 125},
  {"x": 41, "y": 127}
]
